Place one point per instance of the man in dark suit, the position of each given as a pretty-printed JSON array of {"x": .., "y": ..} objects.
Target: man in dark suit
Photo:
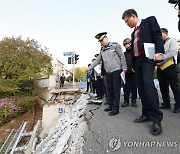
[{"x": 146, "y": 31}]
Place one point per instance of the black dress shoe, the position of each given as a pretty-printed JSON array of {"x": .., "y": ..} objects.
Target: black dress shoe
[
  {"x": 165, "y": 107},
  {"x": 113, "y": 112},
  {"x": 142, "y": 119},
  {"x": 156, "y": 129},
  {"x": 108, "y": 109},
  {"x": 176, "y": 110}
]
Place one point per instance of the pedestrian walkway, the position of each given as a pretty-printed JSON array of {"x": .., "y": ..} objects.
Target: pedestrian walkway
[{"x": 120, "y": 135}]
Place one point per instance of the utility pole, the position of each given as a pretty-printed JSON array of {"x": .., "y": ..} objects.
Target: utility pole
[{"x": 73, "y": 59}]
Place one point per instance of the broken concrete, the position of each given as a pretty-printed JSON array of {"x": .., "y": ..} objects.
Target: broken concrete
[{"x": 67, "y": 135}]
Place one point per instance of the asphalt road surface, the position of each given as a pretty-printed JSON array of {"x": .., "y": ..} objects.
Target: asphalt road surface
[{"x": 120, "y": 135}]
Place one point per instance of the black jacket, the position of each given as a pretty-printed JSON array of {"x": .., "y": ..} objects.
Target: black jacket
[
  {"x": 62, "y": 78},
  {"x": 128, "y": 56},
  {"x": 150, "y": 32}
]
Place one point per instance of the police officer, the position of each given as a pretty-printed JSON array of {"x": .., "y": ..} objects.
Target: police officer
[
  {"x": 130, "y": 84},
  {"x": 114, "y": 62}
]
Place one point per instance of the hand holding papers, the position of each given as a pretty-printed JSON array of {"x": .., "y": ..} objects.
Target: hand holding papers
[
  {"x": 123, "y": 77},
  {"x": 149, "y": 49}
]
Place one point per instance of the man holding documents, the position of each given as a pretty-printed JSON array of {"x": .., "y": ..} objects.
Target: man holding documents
[
  {"x": 167, "y": 72},
  {"x": 146, "y": 31},
  {"x": 114, "y": 63},
  {"x": 130, "y": 82}
]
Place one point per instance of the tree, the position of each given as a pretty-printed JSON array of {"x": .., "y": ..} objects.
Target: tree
[
  {"x": 21, "y": 62},
  {"x": 80, "y": 73}
]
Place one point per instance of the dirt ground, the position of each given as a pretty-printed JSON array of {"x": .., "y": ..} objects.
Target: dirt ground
[{"x": 30, "y": 117}]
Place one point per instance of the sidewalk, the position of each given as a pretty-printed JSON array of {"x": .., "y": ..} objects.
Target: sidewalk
[{"x": 120, "y": 135}]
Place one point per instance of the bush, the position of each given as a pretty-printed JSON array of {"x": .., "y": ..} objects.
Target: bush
[
  {"x": 28, "y": 103},
  {"x": 21, "y": 62},
  {"x": 13, "y": 106},
  {"x": 69, "y": 79}
]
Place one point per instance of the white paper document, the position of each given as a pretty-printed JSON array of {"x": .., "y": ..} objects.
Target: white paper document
[
  {"x": 123, "y": 77},
  {"x": 149, "y": 49},
  {"x": 98, "y": 69}
]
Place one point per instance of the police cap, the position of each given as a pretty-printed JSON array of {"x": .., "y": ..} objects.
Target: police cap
[{"x": 100, "y": 36}]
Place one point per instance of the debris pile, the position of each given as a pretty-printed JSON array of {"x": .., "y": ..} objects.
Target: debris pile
[
  {"x": 67, "y": 135},
  {"x": 61, "y": 128}
]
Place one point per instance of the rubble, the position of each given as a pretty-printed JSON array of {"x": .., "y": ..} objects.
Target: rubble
[
  {"x": 67, "y": 135},
  {"x": 62, "y": 126}
]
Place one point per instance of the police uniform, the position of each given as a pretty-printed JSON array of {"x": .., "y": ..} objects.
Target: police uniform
[{"x": 114, "y": 61}]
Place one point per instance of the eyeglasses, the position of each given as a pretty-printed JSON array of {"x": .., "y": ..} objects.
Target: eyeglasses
[{"x": 126, "y": 20}]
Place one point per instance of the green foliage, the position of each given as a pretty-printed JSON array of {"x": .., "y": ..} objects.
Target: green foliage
[
  {"x": 69, "y": 79},
  {"x": 21, "y": 62},
  {"x": 13, "y": 106},
  {"x": 80, "y": 73},
  {"x": 28, "y": 103}
]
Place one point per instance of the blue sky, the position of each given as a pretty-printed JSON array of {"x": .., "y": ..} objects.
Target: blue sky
[{"x": 70, "y": 25}]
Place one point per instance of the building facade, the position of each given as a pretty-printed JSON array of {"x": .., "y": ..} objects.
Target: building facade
[{"x": 58, "y": 68}]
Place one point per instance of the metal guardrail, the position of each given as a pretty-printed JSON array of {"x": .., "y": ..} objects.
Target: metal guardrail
[
  {"x": 10, "y": 145},
  {"x": 18, "y": 137},
  {"x": 6, "y": 146}
]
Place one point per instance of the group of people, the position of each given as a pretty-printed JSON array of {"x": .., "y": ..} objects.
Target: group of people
[
  {"x": 95, "y": 81},
  {"x": 139, "y": 69}
]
